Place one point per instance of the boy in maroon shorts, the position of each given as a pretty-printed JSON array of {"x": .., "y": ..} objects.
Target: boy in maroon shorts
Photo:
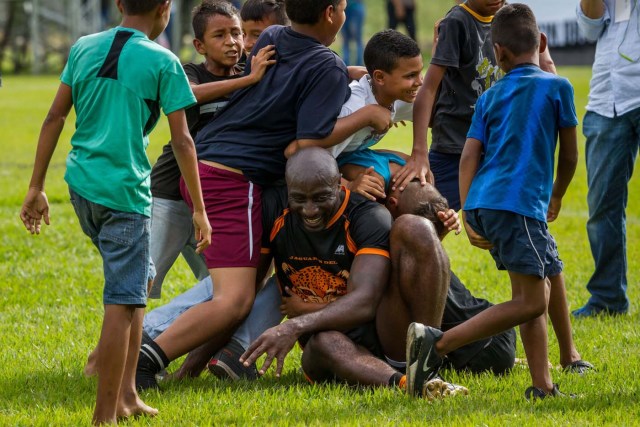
[{"x": 242, "y": 150}]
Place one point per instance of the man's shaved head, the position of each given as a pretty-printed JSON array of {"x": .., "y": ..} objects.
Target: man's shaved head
[
  {"x": 421, "y": 200},
  {"x": 312, "y": 165}
]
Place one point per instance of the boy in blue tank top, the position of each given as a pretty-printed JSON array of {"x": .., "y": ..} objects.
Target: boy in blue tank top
[
  {"x": 509, "y": 194},
  {"x": 117, "y": 81}
]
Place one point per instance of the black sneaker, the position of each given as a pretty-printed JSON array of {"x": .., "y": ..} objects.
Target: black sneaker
[
  {"x": 533, "y": 393},
  {"x": 423, "y": 362},
  {"x": 225, "y": 364},
  {"x": 146, "y": 379}
]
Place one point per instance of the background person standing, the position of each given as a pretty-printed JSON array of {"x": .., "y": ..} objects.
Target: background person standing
[{"x": 612, "y": 128}]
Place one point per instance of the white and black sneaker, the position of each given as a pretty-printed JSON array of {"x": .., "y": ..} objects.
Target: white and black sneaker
[{"x": 423, "y": 363}]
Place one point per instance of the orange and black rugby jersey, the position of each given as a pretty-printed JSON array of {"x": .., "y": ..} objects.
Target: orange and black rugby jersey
[{"x": 315, "y": 265}]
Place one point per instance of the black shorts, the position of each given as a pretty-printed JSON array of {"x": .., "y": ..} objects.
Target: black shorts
[
  {"x": 497, "y": 355},
  {"x": 364, "y": 335}
]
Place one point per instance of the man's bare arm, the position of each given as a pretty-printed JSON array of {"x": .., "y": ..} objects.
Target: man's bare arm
[
  {"x": 368, "y": 278},
  {"x": 592, "y": 9}
]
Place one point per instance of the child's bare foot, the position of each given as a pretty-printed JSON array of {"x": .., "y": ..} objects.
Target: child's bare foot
[
  {"x": 132, "y": 406},
  {"x": 91, "y": 368},
  {"x": 101, "y": 422}
]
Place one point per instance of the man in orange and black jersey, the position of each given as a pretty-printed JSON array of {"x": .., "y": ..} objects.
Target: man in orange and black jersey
[{"x": 366, "y": 272}]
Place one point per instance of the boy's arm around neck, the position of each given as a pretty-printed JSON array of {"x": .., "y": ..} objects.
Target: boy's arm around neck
[
  {"x": 567, "y": 161},
  {"x": 185, "y": 152},
  {"x": 36, "y": 205},
  {"x": 259, "y": 62},
  {"x": 374, "y": 115}
]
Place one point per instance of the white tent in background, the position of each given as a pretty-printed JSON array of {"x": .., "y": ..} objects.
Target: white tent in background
[{"x": 557, "y": 19}]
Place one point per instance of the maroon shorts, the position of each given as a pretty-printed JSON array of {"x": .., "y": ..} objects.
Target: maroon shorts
[{"x": 234, "y": 208}]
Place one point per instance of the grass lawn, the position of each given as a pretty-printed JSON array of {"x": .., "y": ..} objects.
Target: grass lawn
[{"x": 50, "y": 311}]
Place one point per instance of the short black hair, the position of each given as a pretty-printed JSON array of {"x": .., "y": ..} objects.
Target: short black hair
[
  {"x": 259, "y": 10},
  {"x": 140, "y": 7},
  {"x": 307, "y": 11},
  {"x": 514, "y": 27},
  {"x": 200, "y": 14},
  {"x": 385, "y": 48},
  {"x": 429, "y": 210}
]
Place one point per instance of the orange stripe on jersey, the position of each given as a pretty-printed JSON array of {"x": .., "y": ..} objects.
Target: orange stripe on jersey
[
  {"x": 351, "y": 245},
  {"x": 345, "y": 202},
  {"x": 277, "y": 225},
  {"x": 265, "y": 250},
  {"x": 373, "y": 251}
]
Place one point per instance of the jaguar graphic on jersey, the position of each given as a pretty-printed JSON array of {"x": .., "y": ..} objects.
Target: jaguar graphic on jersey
[{"x": 314, "y": 284}]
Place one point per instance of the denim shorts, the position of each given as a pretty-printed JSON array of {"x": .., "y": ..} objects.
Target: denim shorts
[
  {"x": 520, "y": 244},
  {"x": 122, "y": 238}
]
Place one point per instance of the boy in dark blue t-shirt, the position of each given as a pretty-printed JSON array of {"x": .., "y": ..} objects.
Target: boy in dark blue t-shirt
[
  {"x": 509, "y": 195},
  {"x": 243, "y": 149}
]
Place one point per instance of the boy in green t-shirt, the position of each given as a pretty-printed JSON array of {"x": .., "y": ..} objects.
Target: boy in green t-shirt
[{"x": 117, "y": 81}]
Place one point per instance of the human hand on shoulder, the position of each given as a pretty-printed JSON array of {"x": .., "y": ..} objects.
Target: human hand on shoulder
[
  {"x": 260, "y": 61},
  {"x": 369, "y": 184},
  {"x": 35, "y": 208},
  {"x": 356, "y": 72},
  {"x": 202, "y": 231}
]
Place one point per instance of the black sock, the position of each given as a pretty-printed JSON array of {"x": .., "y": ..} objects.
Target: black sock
[
  {"x": 146, "y": 339},
  {"x": 152, "y": 358},
  {"x": 395, "y": 379}
]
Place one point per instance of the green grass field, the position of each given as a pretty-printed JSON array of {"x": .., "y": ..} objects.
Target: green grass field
[{"x": 50, "y": 312}]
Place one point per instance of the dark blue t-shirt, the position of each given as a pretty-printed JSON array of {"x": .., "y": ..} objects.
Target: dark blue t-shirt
[{"x": 298, "y": 98}]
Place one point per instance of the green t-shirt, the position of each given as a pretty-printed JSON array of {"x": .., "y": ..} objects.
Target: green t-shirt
[{"x": 119, "y": 81}]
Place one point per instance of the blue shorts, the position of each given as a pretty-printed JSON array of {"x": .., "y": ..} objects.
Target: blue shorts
[
  {"x": 446, "y": 173},
  {"x": 122, "y": 238},
  {"x": 520, "y": 244},
  {"x": 368, "y": 157}
]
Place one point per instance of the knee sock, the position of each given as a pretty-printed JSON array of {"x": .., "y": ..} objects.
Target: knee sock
[
  {"x": 152, "y": 358},
  {"x": 150, "y": 361}
]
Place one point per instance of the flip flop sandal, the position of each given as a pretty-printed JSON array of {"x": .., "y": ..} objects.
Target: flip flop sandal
[{"x": 579, "y": 367}]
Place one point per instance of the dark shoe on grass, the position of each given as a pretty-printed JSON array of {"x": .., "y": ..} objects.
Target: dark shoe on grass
[
  {"x": 592, "y": 311},
  {"x": 423, "y": 363},
  {"x": 533, "y": 393},
  {"x": 146, "y": 379},
  {"x": 225, "y": 364},
  {"x": 579, "y": 367}
]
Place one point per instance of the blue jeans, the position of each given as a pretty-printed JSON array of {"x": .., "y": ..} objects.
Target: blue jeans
[
  {"x": 122, "y": 238},
  {"x": 352, "y": 32},
  {"x": 611, "y": 151},
  {"x": 172, "y": 233},
  {"x": 264, "y": 314}
]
